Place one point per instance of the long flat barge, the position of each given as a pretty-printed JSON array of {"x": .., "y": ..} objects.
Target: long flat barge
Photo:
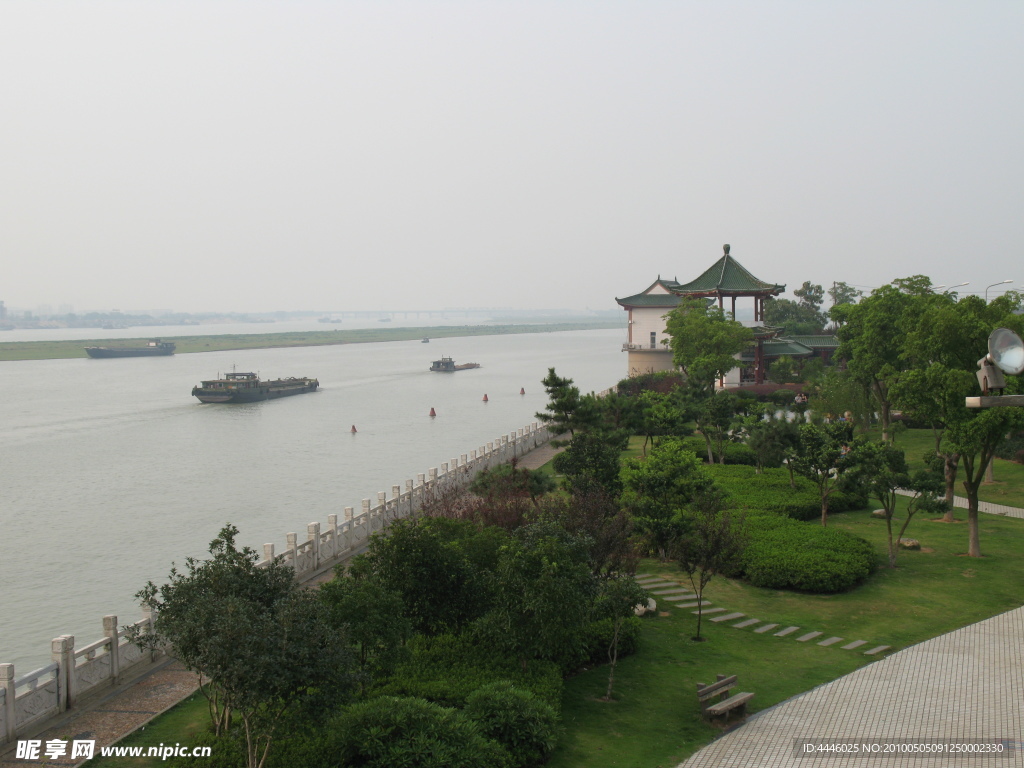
[{"x": 248, "y": 388}]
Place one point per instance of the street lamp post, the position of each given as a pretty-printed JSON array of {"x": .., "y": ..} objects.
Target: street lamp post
[{"x": 1001, "y": 282}]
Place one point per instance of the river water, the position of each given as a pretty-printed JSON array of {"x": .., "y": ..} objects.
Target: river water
[{"x": 110, "y": 470}]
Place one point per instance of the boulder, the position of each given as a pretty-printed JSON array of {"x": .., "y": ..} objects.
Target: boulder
[
  {"x": 910, "y": 544},
  {"x": 641, "y": 609},
  {"x": 879, "y": 513}
]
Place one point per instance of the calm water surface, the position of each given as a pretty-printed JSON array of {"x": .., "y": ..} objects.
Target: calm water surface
[{"x": 111, "y": 470}]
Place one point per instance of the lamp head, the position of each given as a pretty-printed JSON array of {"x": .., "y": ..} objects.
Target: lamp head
[{"x": 1005, "y": 354}]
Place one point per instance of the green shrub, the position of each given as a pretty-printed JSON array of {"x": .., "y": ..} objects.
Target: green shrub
[
  {"x": 523, "y": 724},
  {"x": 400, "y": 731},
  {"x": 447, "y": 669},
  {"x": 735, "y": 453},
  {"x": 599, "y": 638},
  {"x": 786, "y": 554}
]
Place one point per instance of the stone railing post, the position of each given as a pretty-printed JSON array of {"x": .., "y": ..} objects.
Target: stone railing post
[
  {"x": 332, "y": 523},
  {"x": 110, "y": 631},
  {"x": 313, "y": 535},
  {"x": 7, "y": 686},
  {"x": 268, "y": 552},
  {"x": 293, "y": 545},
  {"x": 149, "y": 617},
  {"x": 382, "y": 501},
  {"x": 409, "y": 493},
  {"x": 348, "y": 513},
  {"x": 62, "y": 653}
]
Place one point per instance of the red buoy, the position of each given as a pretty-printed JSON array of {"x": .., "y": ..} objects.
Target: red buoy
[
  {"x": 485, "y": 398},
  {"x": 432, "y": 413},
  {"x": 353, "y": 429},
  {"x": 522, "y": 390}
]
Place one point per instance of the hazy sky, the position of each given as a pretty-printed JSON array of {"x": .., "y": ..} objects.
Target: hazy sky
[{"x": 297, "y": 155}]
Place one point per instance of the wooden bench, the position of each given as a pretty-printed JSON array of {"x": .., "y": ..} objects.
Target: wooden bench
[{"x": 707, "y": 695}]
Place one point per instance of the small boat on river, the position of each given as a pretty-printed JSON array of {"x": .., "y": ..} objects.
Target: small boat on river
[
  {"x": 248, "y": 388},
  {"x": 447, "y": 365}
]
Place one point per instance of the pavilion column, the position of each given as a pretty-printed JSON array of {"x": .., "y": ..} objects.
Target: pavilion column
[
  {"x": 759, "y": 362},
  {"x": 733, "y": 307}
]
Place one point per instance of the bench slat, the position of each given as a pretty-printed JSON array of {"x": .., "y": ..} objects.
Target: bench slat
[
  {"x": 731, "y": 703},
  {"x": 704, "y": 691}
]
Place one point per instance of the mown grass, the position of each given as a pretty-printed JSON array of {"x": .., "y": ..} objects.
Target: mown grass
[
  {"x": 179, "y": 725},
  {"x": 51, "y": 350},
  {"x": 655, "y": 720}
]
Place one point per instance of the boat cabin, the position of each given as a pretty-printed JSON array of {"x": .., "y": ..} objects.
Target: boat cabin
[
  {"x": 445, "y": 364},
  {"x": 234, "y": 381}
]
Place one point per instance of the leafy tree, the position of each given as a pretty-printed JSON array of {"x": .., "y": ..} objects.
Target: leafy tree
[
  {"x": 839, "y": 392},
  {"x": 768, "y": 437},
  {"x": 567, "y": 411},
  {"x": 658, "y": 487},
  {"x": 543, "y": 595},
  {"x": 425, "y": 563},
  {"x": 824, "y": 453},
  {"x": 842, "y": 293},
  {"x": 705, "y": 341},
  {"x": 264, "y": 647},
  {"x": 592, "y": 459},
  {"x": 811, "y": 295},
  {"x": 783, "y": 370},
  {"x": 372, "y": 618},
  {"x": 507, "y": 482},
  {"x": 660, "y": 414},
  {"x": 796, "y": 318},
  {"x": 873, "y": 333},
  {"x": 884, "y": 471},
  {"x": 715, "y": 416},
  {"x": 712, "y": 544},
  {"x": 976, "y": 440},
  {"x": 595, "y": 517},
  {"x": 617, "y": 600},
  {"x": 523, "y": 723}
]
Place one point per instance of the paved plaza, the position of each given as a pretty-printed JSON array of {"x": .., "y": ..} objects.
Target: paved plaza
[{"x": 968, "y": 684}]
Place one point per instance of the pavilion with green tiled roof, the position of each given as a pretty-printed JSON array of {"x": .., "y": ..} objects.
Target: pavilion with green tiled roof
[{"x": 728, "y": 278}]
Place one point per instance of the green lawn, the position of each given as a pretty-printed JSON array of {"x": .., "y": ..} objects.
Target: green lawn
[
  {"x": 179, "y": 725},
  {"x": 656, "y": 719}
]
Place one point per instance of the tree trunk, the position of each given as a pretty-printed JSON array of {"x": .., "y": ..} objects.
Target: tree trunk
[
  {"x": 892, "y": 546},
  {"x": 883, "y": 409},
  {"x": 613, "y": 657},
  {"x": 952, "y": 462},
  {"x": 711, "y": 454}
]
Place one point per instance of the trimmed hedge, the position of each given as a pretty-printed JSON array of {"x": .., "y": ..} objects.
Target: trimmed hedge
[
  {"x": 782, "y": 553},
  {"x": 771, "y": 491},
  {"x": 446, "y": 669}
]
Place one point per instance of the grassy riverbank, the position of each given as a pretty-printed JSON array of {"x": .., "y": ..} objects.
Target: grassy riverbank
[{"x": 54, "y": 350}]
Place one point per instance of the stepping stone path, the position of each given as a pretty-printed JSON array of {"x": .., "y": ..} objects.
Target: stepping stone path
[
  {"x": 728, "y": 617},
  {"x": 681, "y": 597}
]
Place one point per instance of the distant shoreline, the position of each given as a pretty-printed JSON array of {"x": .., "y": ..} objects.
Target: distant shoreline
[{"x": 61, "y": 350}]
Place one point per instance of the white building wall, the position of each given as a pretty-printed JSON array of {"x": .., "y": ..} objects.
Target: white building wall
[{"x": 648, "y": 320}]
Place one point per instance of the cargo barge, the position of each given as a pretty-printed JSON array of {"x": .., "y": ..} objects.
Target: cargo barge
[{"x": 248, "y": 388}]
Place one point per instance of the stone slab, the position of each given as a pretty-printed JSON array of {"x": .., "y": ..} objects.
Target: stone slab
[
  {"x": 877, "y": 649},
  {"x": 831, "y": 641},
  {"x": 709, "y": 610},
  {"x": 694, "y": 604},
  {"x": 786, "y": 631},
  {"x": 854, "y": 644},
  {"x": 765, "y": 628},
  {"x": 729, "y": 617},
  {"x": 747, "y": 623},
  {"x": 669, "y": 590},
  {"x": 809, "y": 636}
]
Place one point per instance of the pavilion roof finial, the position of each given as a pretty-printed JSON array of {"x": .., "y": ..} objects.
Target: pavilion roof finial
[{"x": 725, "y": 248}]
